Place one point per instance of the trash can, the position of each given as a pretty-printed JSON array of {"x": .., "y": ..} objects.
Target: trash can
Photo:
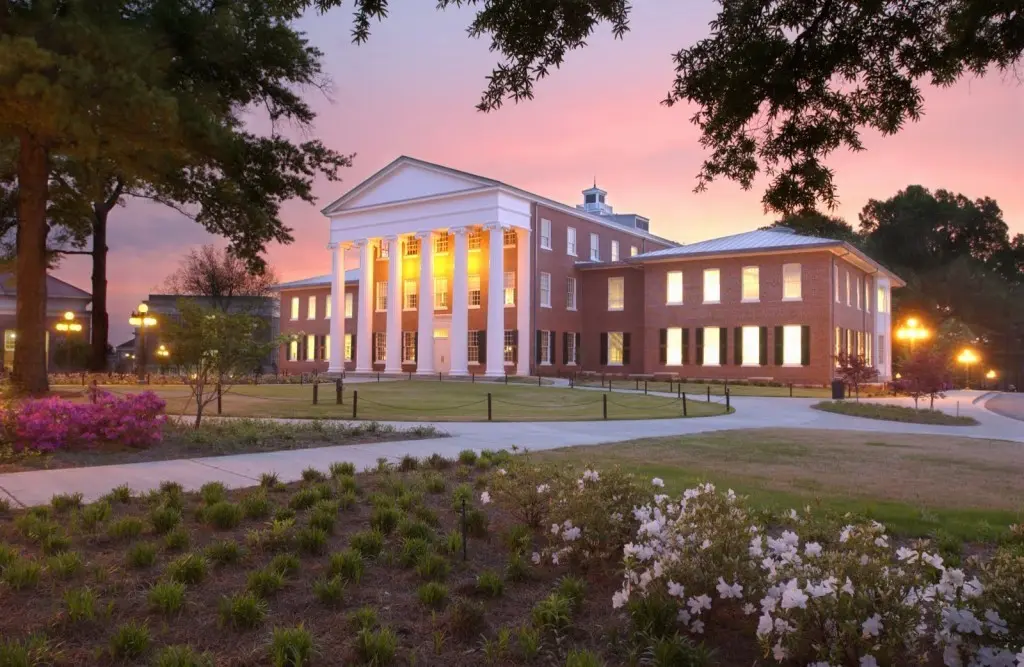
[{"x": 838, "y": 390}]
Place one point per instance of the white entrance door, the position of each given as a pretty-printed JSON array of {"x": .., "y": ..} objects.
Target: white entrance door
[{"x": 442, "y": 347}]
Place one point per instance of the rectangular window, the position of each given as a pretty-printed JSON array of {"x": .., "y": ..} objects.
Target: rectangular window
[
  {"x": 570, "y": 241},
  {"x": 474, "y": 291},
  {"x": 545, "y": 234},
  {"x": 751, "y": 283},
  {"x": 440, "y": 293},
  {"x": 383, "y": 250},
  {"x": 348, "y": 347},
  {"x": 546, "y": 347},
  {"x": 751, "y": 346},
  {"x": 295, "y": 308},
  {"x": 349, "y": 304},
  {"x": 674, "y": 288},
  {"x": 792, "y": 345},
  {"x": 293, "y": 348},
  {"x": 380, "y": 346},
  {"x": 867, "y": 295},
  {"x": 327, "y": 306},
  {"x": 712, "y": 347},
  {"x": 674, "y": 347},
  {"x": 510, "y": 346},
  {"x": 615, "y": 346},
  {"x": 712, "y": 286},
  {"x": 473, "y": 239},
  {"x": 311, "y": 308},
  {"x": 409, "y": 295},
  {"x": 838, "y": 344},
  {"x": 509, "y": 286},
  {"x": 633, "y": 251},
  {"x": 441, "y": 244},
  {"x": 473, "y": 351},
  {"x": 570, "y": 348},
  {"x": 881, "y": 349},
  {"x": 882, "y": 306},
  {"x": 412, "y": 247},
  {"x": 508, "y": 237},
  {"x": 615, "y": 251},
  {"x": 570, "y": 293},
  {"x": 310, "y": 347},
  {"x": 409, "y": 347},
  {"x": 792, "y": 289},
  {"x": 382, "y": 296},
  {"x": 857, "y": 292},
  {"x": 595, "y": 248},
  {"x": 616, "y": 293},
  {"x": 545, "y": 290},
  {"x": 836, "y": 282},
  {"x": 326, "y": 355},
  {"x": 849, "y": 300}
]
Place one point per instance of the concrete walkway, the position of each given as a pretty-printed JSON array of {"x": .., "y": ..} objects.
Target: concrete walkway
[{"x": 37, "y": 487}]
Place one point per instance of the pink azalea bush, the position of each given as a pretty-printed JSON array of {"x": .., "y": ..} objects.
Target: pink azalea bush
[{"x": 48, "y": 424}]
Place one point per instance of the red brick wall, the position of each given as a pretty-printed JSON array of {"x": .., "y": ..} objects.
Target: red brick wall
[{"x": 317, "y": 327}]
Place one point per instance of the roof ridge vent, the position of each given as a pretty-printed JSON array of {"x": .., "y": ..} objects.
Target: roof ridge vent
[{"x": 784, "y": 230}]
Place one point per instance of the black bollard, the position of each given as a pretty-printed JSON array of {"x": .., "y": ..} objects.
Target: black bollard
[
  {"x": 316, "y": 392},
  {"x": 355, "y": 403},
  {"x": 727, "y": 399},
  {"x": 338, "y": 391},
  {"x": 604, "y": 405},
  {"x": 709, "y": 393},
  {"x": 465, "y": 554},
  {"x": 684, "y": 403},
  {"x": 488, "y": 406},
  {"x": 220, "y": 396}
]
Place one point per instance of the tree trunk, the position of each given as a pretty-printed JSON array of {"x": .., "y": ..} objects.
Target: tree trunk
[
  {"x": 29, "y": 376},
  {"x": 100, "y": 320}
]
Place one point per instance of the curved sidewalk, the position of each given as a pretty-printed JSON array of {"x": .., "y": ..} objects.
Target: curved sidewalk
[{"x": 240, "y": 470}]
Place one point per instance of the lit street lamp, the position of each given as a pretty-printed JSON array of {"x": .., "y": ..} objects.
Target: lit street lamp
[
  {"x": 140, "y": 320},
  {"x": 68, "y": 326},
  {"x": 162, "y": 351},
  {"x": 912, "y": 332},
  {"x": 967, "y": 357}
]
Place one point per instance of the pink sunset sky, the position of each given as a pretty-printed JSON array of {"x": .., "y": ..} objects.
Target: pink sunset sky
[{"x": 413, "y": 87}]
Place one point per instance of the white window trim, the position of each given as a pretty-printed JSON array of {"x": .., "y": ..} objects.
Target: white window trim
[
  {"x": 800, "y": 281},
  {"x": 542, "y": 239},
  {"x": 703, "y": 287},
  {"x": 405, "y": 295},
  {"x": 575, "y": 294},
  {"x": 479, "y": 288},
  {"x": 540, "y": 290},
  {"x": 551, "y": 347},
  {"x": 622, "y": 347},
  {"x": 570, "y": 248},
  {"x": 620, "y": 308},
  {"x": 571, "y": 335},
  {"x": 595, "y": 247},
  {"x": 744, "y": 299},
  {"x": 377, "y": 297}
]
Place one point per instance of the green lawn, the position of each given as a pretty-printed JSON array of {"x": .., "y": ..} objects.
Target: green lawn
[
  {"x": 700, "y": 388},
  {"x": 916, "y": 485},
  {"x": 896, "y": 413},
  {"x": 422, "y": 400}
]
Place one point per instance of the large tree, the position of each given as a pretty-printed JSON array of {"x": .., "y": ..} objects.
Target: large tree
[
  {"x": 126, "y": 98},
  {"x": 814, "y": 223},
  {"x": 219, "y": 276}
]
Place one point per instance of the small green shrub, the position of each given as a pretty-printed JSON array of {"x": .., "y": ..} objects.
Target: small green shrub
[
  {"x": 129, "y": 641},
  {"x": 427, "y": 515},
  {"x": 553, "y": 613},
  {"x": 572, "y": 588},
  {"x": 270, "y": 480},
  {"x": 284, "y": 514},
  {"x": 287, "y": 564},
  {"x": 433, "y": 482},
  {"x": 35, "y": 524},
  {"x": 323, "y": 520},
  {"x": 518, "y": 538},
  {"x": 256, "y": 505},
  {"x": 413, "y": 549},
  {"x": 141, "y": 554},
  {"x": 477, "y": 523},
  {"x": 364, "y": 618},
  {"x": 264, "y": 583},
  {"x": 367, "y": 542},
  {"x": 126, "y": 528},
  {"x": 187, "y": 569},
  {"x": 278, "y": 536},
  {"x": 65, "y": 502},
  {"x": 432, "y": 594},
  {"x": 528, "y": 638},
  {"x": 94, "y": 514},
  {"x": 313, "y": 475},
  {"x": 65, "y": 565},
  {"x": 182, "y": 656},
  {"x": 164, "y": 518},
  {"x": 8, "y": 555},
  {"x": 120, "y": 494},
  {"x": 466, "y": 618},
  {"x": 409, "y": 528},
  {"x": 177, "y": 540},
  {"x": 376, "y": 647},
  {"x": 223, "y": 515},
  {"x": 312, "y": 540},
  {"x": 243, "y": 611},
  {"x": 408, "y": 463},
  {"x": 303, "y": 499},
  {"x": 383, "y": 466},
  {"x": 55, "y": 543},
  {"x": 490, "y": 583},
  {"x": 467, "y": 457},
  {"x": 678, "y": 649},
  {"x": 347, "y": 564},
  {"x": 462, "y": 492},
  {"x": 438, "y": 462},
  {"x": 433, "y": 567},
  {"x": 223, "y": 552},
  {"x": 291, "y": 647},
  {"x": 453, "y": 543},
  {"x": 167, "y": 597},
  {"x": 582, "y": 658},
  {"x": 79, "y": 604},
  {"x": 342, "y": 469},
  {"x": 347, "y": 500},
  {"x": 22, "y": 573},
  {"x": 385, "y": 519},
  {"x": 169, "y": 488},
  {"x": 213, "y": 493},
  {"x": 329, "y": 591},
  {"x": 33, "y": 650},
  {"x": 347, "y": 483}
]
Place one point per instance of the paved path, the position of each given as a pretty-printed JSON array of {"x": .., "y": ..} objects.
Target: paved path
[
  {"x": 1008, "y": 405},
  {"x": 37, "y": 487}
]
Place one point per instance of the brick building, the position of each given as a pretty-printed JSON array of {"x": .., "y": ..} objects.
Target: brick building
[
  {"x": 61, "y": 298},
  {"x": 574, "y": 289}
]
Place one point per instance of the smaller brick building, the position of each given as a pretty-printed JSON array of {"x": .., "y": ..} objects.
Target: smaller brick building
[{"x": 61, "y": 298}]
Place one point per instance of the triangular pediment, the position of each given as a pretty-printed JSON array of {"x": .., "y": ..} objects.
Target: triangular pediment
[{"x": 405, "y": 179}]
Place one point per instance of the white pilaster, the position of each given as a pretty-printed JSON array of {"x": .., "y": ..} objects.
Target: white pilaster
[
  {"x": 425, "y": 328},
  {"x": 364, "y": 335},
  {"x": 393, "y": 340},
  {"x": 337, "y": 348},
  {"x": 459, "y": 335},
  {"x": 495, "y": 301},
  {"x": 524, "y": 275}
]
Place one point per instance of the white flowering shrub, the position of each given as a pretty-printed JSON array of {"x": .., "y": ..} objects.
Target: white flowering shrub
[{"x": 524, "y": 490}]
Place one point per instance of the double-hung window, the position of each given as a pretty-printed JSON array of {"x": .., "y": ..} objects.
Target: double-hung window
[
  {"x": 441, "y": 244},
  {"x": 295, "y": 308},
  {"x": 348, "y": 347},
  {"x": 311, "y": 308},
  {"x": 508, "y": 237},
  {"x": 310, "y": 347},
  {"x": 570, "y": 293},
  {"x": 474, "y": 291},
  {"x": 751, "y": 284},
  {"x": 349, "y": 304},
  {"x": 382, "y": 296},
  {"x": 380, "y": 346},
  {"x": 570, "y": 348},
  {"x": 473, "y": 239},
  {"x": 412, "y": 247},
  {"x": 570, "y": 241},
  {"x": 440, "y": 293},
  {"x": 615, "y": 348},
  {"x": 545, "y": 234},
  {"x": 510, "y": 346},
  {"x": 409, "y": 347},
  {"x": 327, "y": 306},
  {"x": 712, "y": 346},
  {"x": 595, "y": 248},
  {"x": 712, "y": 286},
  {"x": 792, "y": 288},
  {"x": 293, "y": 349},
  {"x": 545, "y": 290},
  {"x": 409, "y": 295},
  {"x": 473, "y": 351},
  {"x": 792, "y": 345},
  {"x": 674, "y": 288},
  {"x": 674, "y": 347},
  {"x": 616, "y": 293},
  {"x": 615, "y": 251},
  {"x": 509, "y": 285},
  {"x": 546, "y": 347},
  {"x": 751, "y": 346}
]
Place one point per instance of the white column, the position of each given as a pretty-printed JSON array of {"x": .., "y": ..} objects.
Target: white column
[
  {"x": 495, "y": 301},
  {"x": 524, "y": 282},
  {"x": 337, "y": 348},
  {"x": 364, "y": 337},
  {"x": 425, "y": 327},
  {"x": 393, "y": 362},
  {"x": 459, "y": 335}
]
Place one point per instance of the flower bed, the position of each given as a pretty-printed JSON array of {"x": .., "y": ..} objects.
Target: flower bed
[{"x": 896, "y": 413}]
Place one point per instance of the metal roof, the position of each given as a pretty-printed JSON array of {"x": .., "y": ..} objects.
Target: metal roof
[
  {"x": 759, "y": 239},
  {"x": 55, "y": 288},
  {"x": 351, "y": 276}
]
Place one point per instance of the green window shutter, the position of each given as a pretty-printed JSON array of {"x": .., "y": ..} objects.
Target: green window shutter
[
  {"x": 723, "y": 345},
  {"x": 700, "y": 346},
  {"x": 604, "y": 348},
  {"x": 577, "y": 358},
  {"x": 805, "y": 345},
  {"x": 663, "y": 346},
  {"x": 537, "y": 353},
  {"x": 737, "y": 346},
  {"x": 763, "y": 345},
  {"x": 481, "y": 341},
  {"x": 686, "y": 346},
  {"x": 778, "y": 346},
  {"x": 625, "y": 347}
]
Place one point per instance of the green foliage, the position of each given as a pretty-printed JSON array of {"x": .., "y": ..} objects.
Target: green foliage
[
  {"x": 291, "y": 647},
  {"x": 22, "y": 573},
  {"x": 529, "y": 640},
  {"x": 434, "y": 482},
  {"x": 347, "y": 499},
  {"x": 432, "y": 594},
  {"x": 120, "y": 494},
  {"x": 438, "y": 462},
  {"x": 129, "y": 641},
  {"x": 463, "y": 492},
  {"x": 347, "y": 484},
  {"x": 679, "y": 649},
  {"x": 182, "y": 656},
  {"x": 125, "y": 528},
  {"x": 376, "y": 648},
  {"x": 65, "y": 565},
  {"x": 408, "y": 463},
  {"x": 552, "y": 614},
  {"x": 164, "y": 518},
  {"x": 413, "y": 549},
  {"x": 93, "y": 515},
  {"x": 466, "y": 618},
  {"x": 433, "y": 567},
  {"x": 187, "y": 569},
  {"x": 55, "y": 543},
  {"x": 364, "y": 618},
  {"x": 329, "y": 591},
  {"x": 284, "y": 514},
  {"x": 313, "y": 475},
  {"x": 213, "y": 493},
  {"x": 653, "y": 615},
  {"x": 265, "y": 583},
  {"x": 223, "y": 515},
  {"x": 342, "y": 469},
  {"x": 79, "y": 604},
  {"x": 223, "y": 552},
  {"x": 278, "y": 536},
  {"x": 582, "y": 658},
  {"x": 573, "y": 589},
  {"x": 410, "y": 528},
  {"x": 31, "y": 651},
  {"x": 256, "y": 505},
  {"x": 65, "y": 502},
  {"x": 167, "y": 597},
  {"x": 287, "y": 564},
  {"x": 303, "y": 499},
  {"x": 467, "y": 457},
  {"x": 177, "y": 540},
  {"x": 243, "y": 611},
  {"x": 347, "y": 564},
  {"x": 427, "y": 515},
  {"x": 490, "y": 584},
  {"x": 270, "y": 480},
  {"x": 312, "y": 540},
  {"x": 322, "y": 519},
  {"x": 8, "y": 555},
  {"x": 477, "y": 523},
  {"x": 141, "y": 554},
  {"x": 385, "y": 519},
  {"x": 453, "y": 543}
]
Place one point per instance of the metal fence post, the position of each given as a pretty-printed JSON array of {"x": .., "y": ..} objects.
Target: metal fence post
[
  {"x": 439, "y": 378},
  {"x": 465, "y": 554},
  {"x": 679, "y": 390},
  {"x": 709, "y": 393},
  {"x": 637, "y": 388},
  {"x": 339, "y": 392},
  {"x": 220, "y": 395},
  {"x": 355, "y": 402},
  {"x": 645, "y": 387},
  {"x": 684, "y": 404},
  {"x": 472, "y": 378},
  {"x": 791, "y": 390},
  {"x": 727, "y": 399},
  {"x": 316, "y": 392},
  {"x": 378, "y": 376},
  {"x": 488, "y": 406},
  {"x": 604, "y": 405},
  {"x": 538, "y": 379},
  {"x": 506, "y": 378}
]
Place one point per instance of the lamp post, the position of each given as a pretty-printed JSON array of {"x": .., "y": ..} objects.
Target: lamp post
[
  {"x": 68, "y": 326},
  {"x": 140, "y": 320},
  {"x": 967, "y": 357},
  {"x": 912, "y": 331},
  {"x": 163, "y": 357},
  {"x": 991, "y": 376}
]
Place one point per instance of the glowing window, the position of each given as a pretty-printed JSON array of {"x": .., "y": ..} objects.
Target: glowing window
[
  {"x": 616, "y": 293},
  {"x": 751, "y": 283},
  {"x": 474, "y": 291},
  {"x": 310, "y": 347},
  {"x": 674, "y": 287},
  {"x": 712, "y": 286},
  {"x": 349, "y": 304},
  {"x": 615, "y": 348},
  {"x": 791, "y": 282},
  {"x": 295, "y": 308},
  {"x": 751, "y": 346},
  {"x": 348, "y": 347},
  {"x": 711, "y": 346},
  {"x": 674, "y": 351},
  {"x": 791, "y": 345},
  {"x": 509, "y": 286},
  {"x": 409, "y": 295}
]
